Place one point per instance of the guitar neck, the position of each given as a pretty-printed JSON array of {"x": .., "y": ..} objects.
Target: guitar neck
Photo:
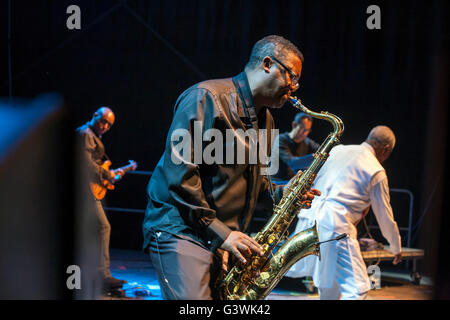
[{"x": 127, "y": 168}]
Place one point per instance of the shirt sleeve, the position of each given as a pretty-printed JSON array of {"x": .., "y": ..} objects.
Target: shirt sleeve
[
  {"x": 89, "y": 146},
  {"x": 195, "y": 113},
  {"x": 380, "y": 201}
]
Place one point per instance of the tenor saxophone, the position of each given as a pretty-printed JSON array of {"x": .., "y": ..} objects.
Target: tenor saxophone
[{"x": 256, "y": 279}]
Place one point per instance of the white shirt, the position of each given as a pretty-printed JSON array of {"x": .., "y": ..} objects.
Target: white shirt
[
  {"x": 381, "y": 207},
  {"x": 351, "y": 180}
]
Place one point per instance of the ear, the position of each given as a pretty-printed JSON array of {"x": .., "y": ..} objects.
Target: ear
[
  {"x": 294, "y": 124},
  {"x": 385, "y": 152},
  {"x": 267, "y": 64}
]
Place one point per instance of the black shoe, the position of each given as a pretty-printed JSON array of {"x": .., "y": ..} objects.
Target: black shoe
[{"x": 113, "y": 283}]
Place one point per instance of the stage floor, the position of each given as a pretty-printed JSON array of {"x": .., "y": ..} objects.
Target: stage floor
[{"x": 137, "y": 269}]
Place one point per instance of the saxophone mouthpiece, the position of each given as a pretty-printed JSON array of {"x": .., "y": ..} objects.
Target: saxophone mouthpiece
[
  {"x": 297, "y": 103},
  {"x": 293, "y": 99}
]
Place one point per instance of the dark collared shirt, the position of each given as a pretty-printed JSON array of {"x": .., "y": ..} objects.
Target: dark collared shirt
[
  {"x": 94, "y": 151},
  {"x": 205, "y": 202},
  {"x": 289, "y": 150}
]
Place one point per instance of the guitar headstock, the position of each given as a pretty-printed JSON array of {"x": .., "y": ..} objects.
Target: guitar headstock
[{"x": 133, "y": 164}]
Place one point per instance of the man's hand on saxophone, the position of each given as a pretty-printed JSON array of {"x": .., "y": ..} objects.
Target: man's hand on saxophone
[
  {"x": 307, "y": 198},
  {"x": 240, "y": 244}
]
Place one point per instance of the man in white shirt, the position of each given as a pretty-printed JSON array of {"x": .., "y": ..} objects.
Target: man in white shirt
[{"x": 351, "y": 180}]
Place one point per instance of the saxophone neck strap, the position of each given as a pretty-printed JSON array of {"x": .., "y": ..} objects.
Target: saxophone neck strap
[{"x": 243, "y": 89}]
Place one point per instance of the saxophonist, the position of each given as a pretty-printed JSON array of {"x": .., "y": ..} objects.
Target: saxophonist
[{"x": 197, "y": 212}]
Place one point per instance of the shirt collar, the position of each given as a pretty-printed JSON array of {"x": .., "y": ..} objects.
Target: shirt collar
[
  {"x": 92, "y": 129},
  {"x": 369, "y": 147}
]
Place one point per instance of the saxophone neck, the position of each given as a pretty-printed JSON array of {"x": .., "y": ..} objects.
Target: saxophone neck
[{"x": 337, "y": 123}]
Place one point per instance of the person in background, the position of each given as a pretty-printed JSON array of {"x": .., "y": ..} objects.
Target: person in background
[
  {"x": 90, "y": 135},
  {"x": 351, "y": 180},
  {"x": 293, "y": 144}
]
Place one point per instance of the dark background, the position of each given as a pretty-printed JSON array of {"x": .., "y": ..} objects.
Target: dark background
[{"x": 138, "y": 56}]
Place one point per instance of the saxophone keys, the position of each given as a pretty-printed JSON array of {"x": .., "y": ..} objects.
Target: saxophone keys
[
  {"x": 265, "y": 276},
  {"x": 235, "y": 289}
]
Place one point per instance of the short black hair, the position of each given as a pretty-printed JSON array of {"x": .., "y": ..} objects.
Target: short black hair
[
  {"x": 272, "y": 45},
  {"x": 300, "y": 116}
]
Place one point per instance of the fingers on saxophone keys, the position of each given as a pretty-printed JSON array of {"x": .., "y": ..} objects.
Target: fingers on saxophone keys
[
  {"x": 256, "y": 249},
  {"x": 238, "y": 255},
  {"x": 304, "y": 204},
  {"x": 309, "y": 196},
  {"x": 253, "y": 245}
]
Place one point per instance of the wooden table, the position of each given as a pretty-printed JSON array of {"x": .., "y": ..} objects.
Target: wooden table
[{"x": 386, "y": 255}]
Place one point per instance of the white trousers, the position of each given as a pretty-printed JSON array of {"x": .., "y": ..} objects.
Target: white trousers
[
  {"x": 337, "y": 292},
  {"x": 341, "y": 272},
  {"x": 351, "y": 281}
]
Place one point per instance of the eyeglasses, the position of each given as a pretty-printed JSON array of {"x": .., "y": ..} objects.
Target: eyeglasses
[{"x": 294, "y": 77}]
